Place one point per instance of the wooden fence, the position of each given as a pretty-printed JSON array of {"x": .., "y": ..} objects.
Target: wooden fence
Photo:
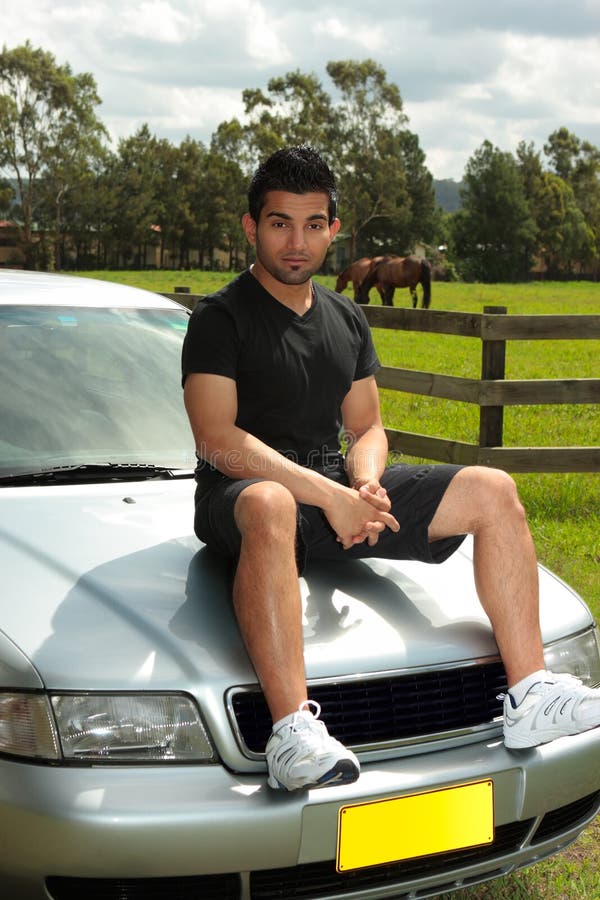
[{"x": 492, "y": 392}]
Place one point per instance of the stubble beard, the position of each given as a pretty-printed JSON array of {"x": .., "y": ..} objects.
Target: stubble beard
[
  {"x": 291, "y": 276},
  {"x": 286, "y": 275}
]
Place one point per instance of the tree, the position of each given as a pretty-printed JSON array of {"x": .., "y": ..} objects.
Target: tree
[
  {"x": 7, "y": 196},
  {"x": 86, "y": 214},
  {"x": 386, "y": 193},
  {"x": 298, "y": 111},
  {"x": 137, "y": 178},
  {"x": 578, "y": 163},
  {"x": 294, "y": 110},
  {"x": 529, "y": 165},
  {"x": 368, "y": 149},
  {"x": 48, "y": 129},
  {"x": 565, "y": 237},
  {"x": 415, "y": 216},
  {"x": 185, "y": 221},
  {"x": 494, "y": 231},
  {"x": 169, "y": 186},
  {"x": 222, "y": 204},
  {"x": 530, "y": 168},
  {"x": 563, "y": 148}
]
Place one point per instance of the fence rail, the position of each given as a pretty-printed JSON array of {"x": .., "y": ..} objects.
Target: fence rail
[{"x": 492, "y": 392}]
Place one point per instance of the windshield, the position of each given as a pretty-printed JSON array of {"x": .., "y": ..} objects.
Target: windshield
[{"x": 86, "y": 386}]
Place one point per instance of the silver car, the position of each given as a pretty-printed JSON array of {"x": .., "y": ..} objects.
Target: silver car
[{"x": 132, "y": 728}]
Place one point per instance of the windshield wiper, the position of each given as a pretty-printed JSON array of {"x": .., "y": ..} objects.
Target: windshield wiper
[{"x": 94, "y": 472}]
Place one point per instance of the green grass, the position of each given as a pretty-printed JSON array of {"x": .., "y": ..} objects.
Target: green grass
[
  {"x": 563, "y": 509},
  {"x": 199, "y": 282},
  {"x": 570, "y": 875}
]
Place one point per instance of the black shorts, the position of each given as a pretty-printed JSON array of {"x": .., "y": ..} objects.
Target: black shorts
[{"x": 415, "y": 492}]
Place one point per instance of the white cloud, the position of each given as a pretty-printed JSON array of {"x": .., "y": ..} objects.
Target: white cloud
[
  {"x": 157, "y": 20},
  {"x": 467, "y": 72},
  {"x": 563, "y": 74},
  {"x": 176, "y": 112},
  {"x": 352, "y": 32},
  {"x": 188, "y": 109},
  {"x": 72, "y": 15},
  {"x": 469, "y": 92},
  {"x": 333, "y": 28},
  {"x": 263, "y": 43}
]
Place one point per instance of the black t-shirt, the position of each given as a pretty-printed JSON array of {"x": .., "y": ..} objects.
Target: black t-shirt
[{"x": 292, "y": 372}]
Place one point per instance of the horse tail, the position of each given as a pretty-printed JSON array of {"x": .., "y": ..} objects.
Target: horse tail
[{"x": 425, "y": 280}]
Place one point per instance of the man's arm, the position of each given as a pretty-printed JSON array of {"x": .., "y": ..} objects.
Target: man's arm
[
  {"x": 367, "y": 447},
  {"x": 211, "y": 404},
  {"x": 367, "y": 442}
]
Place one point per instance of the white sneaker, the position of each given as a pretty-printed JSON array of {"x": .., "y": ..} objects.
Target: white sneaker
[
  {"x": 550, "y": 709},
  {"x": 302, "y": 754}
]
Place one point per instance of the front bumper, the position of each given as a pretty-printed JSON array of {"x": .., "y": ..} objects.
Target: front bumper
[{"x": 162, "y": 822}]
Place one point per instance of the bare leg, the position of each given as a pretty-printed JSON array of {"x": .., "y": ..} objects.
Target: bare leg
[
  {"x": 484, "y": 502},
  {"x": 266, "y": 594}
]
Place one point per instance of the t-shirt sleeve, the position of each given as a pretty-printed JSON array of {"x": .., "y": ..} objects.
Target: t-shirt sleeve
[
  {"x": 367, "y": 362},
  {"x": 211, "y": 343}
]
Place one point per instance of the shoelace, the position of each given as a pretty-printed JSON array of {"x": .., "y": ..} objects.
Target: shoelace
[
  {"x": 312, "y": 733},
  {"x": 561, "y": 678},
  {"x": 307, "y": 706}
]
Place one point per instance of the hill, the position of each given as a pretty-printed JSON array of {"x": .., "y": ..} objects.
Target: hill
[{"x": 447, "y": 194}]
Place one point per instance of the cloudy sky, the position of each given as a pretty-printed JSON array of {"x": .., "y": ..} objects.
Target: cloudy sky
[{"x": 467, "y": 71}]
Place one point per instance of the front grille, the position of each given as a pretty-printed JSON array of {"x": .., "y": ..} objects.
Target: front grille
[
  {"x": 198, "y": 887},
  {"x": 383, "y": 710},
  {"x": 322, "y": 879}
]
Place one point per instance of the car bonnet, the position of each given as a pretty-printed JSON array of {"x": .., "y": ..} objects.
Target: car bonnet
[{"x": 105, "y": 587}]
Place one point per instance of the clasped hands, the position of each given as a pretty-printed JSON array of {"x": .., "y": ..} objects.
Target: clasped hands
[{"x": 361, "y": 514}]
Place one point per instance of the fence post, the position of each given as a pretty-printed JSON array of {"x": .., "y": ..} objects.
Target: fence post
[{"x": 493, "y": 367}]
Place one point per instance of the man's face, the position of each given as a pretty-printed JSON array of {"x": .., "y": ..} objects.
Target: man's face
[{"x": 292, "y": 235}]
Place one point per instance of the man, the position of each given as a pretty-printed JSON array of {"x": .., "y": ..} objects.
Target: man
[{"x": 273, "y": 366}]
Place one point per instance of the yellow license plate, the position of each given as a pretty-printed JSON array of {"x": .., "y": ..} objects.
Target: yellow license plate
[{"x": 385, "y": 831}]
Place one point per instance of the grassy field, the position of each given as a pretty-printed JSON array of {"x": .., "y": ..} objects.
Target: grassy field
[{"x": 563, "y": 509}]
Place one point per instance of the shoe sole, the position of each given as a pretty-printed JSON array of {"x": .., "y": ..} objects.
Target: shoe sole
[
  {"x": 529, "y": 745},
  {"x": 343, "y": 772},
  {"x": 540, "y": 740}
]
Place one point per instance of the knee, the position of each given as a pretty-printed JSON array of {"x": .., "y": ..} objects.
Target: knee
[
  {"x": 494, "y": 493},
  {"x": 266, "y": 507}
]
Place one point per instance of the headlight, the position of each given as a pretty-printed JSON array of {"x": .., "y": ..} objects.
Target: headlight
[
  {"x": 27, "y": 726},
  {"x": 131, "y": 727},
  {"x": 138, "y": 728},
  {"x": 579, "y": 655}
]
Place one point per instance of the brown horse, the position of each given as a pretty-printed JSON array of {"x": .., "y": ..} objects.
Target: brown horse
[
  {"x": 398, "y": 271},
  {"x": 356, "y": 272}
]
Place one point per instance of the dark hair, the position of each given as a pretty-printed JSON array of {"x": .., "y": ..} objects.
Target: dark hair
[{"x": 298, "y": 170}]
